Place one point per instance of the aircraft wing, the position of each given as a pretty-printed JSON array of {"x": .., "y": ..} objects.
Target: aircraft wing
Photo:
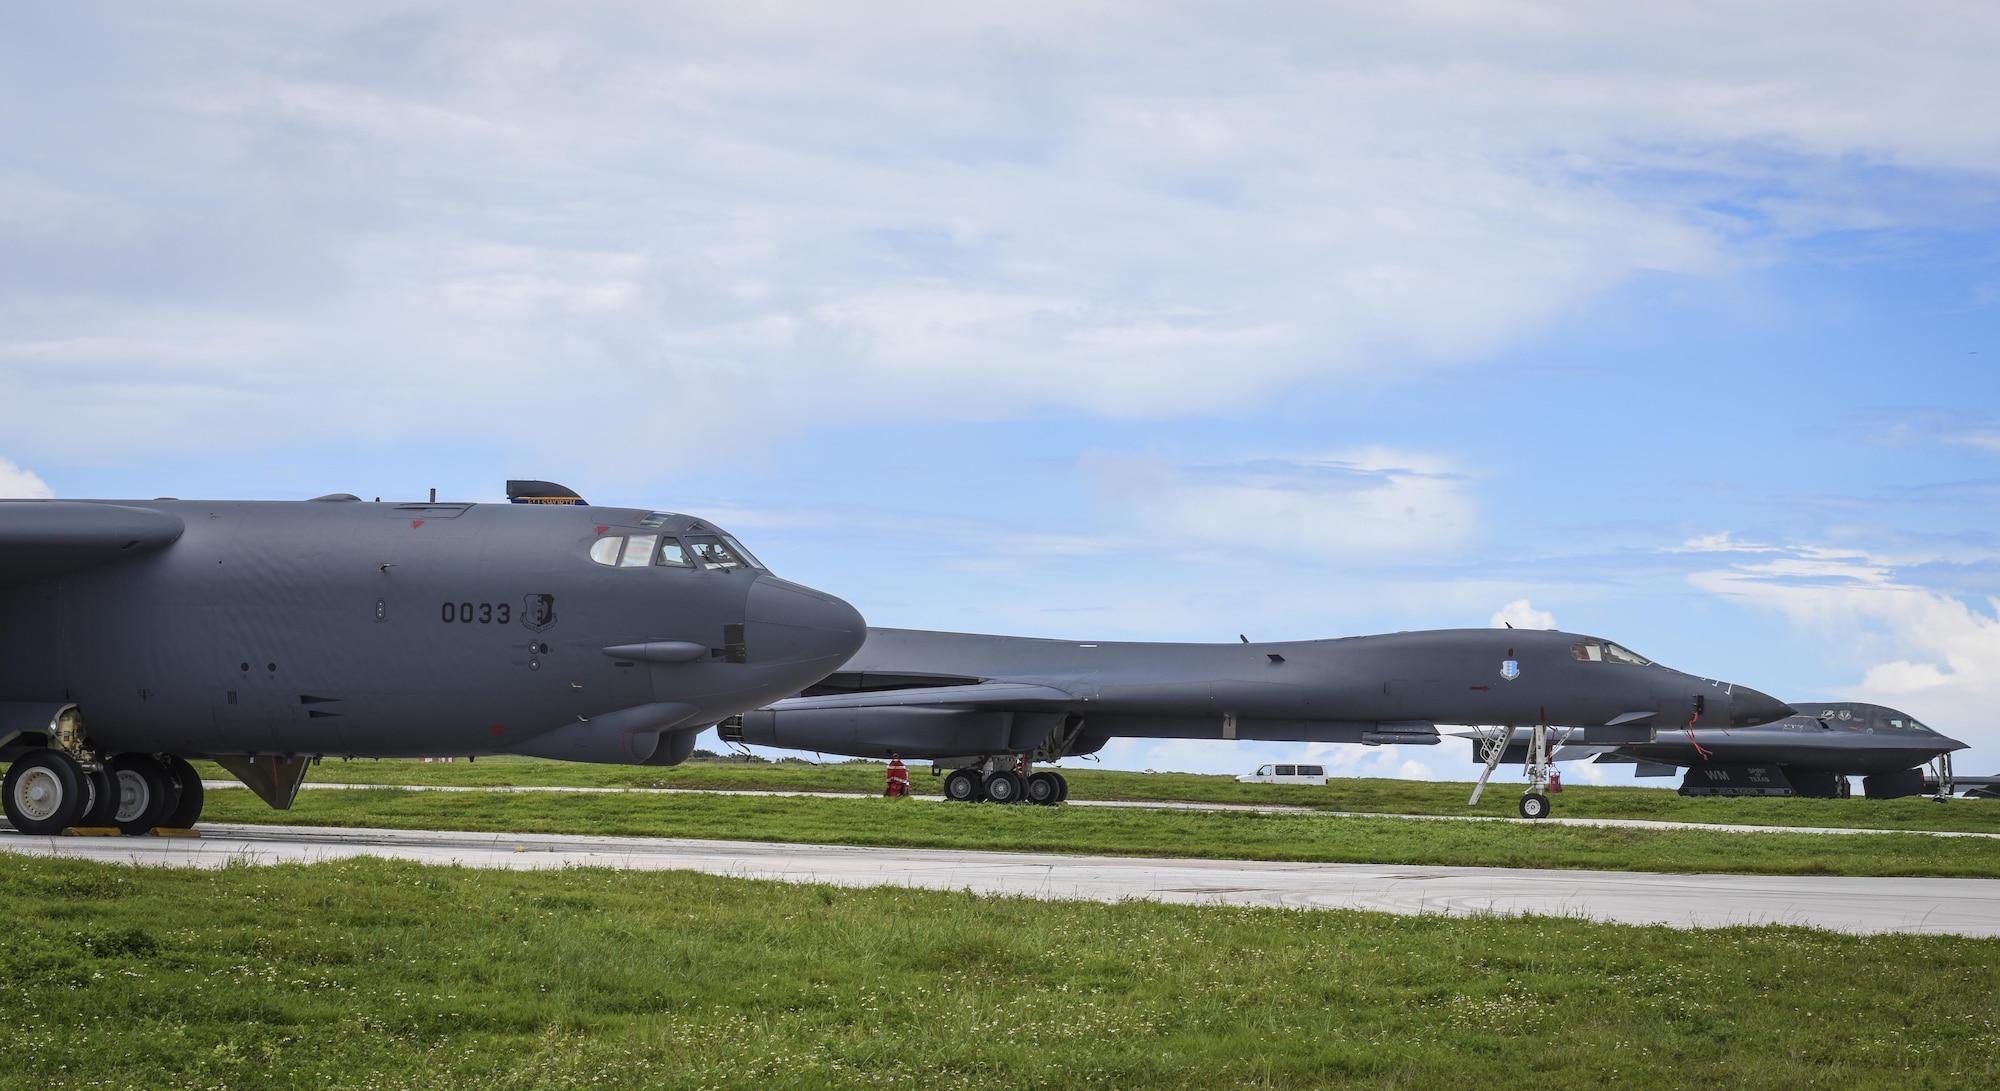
[
  {"x": 983, "y": 694},
  {"x": 43, "y": 539}
]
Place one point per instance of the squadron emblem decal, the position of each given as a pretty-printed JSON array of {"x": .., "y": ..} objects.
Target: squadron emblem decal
[
  {"x": 539, "y": 612},
  {"x": 1510, "y": 669}
]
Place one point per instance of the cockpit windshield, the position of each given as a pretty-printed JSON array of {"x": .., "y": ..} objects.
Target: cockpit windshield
[
  {"x": 1590, "y": 651},
  {"x": 715, "y": 553}
]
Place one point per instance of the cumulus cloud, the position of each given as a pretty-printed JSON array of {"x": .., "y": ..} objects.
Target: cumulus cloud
[
  {"x": 19, "y": 484},
  {"x": 1931, "y": 654},
  {"x": 373, "y": 221},
  {"x": 1368, "y": 503},
  {"x": 1521, "y": 614}
]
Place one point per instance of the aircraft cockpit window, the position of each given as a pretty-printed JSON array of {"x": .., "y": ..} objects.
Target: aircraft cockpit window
[
  {"x": 743, "y": 553},
  {"x": 1616, "y": 654},
  {"x": 672, "y": 555},
  {"x": 713, "y": 554},
  {"x": 639, "y": 550},
  {"x": 605, "y": 550},
  {"x": 1586, "y": 651},
  {"x": 654, "y": 519}
]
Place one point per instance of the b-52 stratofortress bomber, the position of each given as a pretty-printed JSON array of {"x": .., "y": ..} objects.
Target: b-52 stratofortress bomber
[
  {"x": 989, "y": 707},
  {"x": 135, "y": 635}
]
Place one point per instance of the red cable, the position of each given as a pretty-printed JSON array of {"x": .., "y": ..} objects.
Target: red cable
[{"x": 1698, "y": 748}]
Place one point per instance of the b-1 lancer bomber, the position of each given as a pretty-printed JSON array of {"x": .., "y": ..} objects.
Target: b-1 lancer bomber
[
  {"x": 138, "y": 634},
  {"x": 989, "y": 707}
]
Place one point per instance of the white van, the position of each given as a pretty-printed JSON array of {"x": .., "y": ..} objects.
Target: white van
[{"x": 1285, "y": 774}]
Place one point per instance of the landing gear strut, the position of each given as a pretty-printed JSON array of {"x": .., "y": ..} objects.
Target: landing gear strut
[{"x": 1541, "y": 768}]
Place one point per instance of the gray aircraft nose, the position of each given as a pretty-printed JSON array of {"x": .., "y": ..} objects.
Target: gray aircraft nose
[
  {"x": 1748, "y": 708},
  {"x": 796, "y": 624}
]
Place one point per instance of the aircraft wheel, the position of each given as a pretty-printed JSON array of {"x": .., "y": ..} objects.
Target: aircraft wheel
[
  {"x": 1534, "y": 805},
  {"x": 103, "y": 791},
  {"x": 145, "y": 792},
  {"x": 1062, "y": 787},
  {"x": 187, "y": 811},
  {"x": 1004, "y": 787},
  {"x": 963, "y": 786},
  {"x": 1044, "y": 789},
  {"x": 44, "y": 792}
]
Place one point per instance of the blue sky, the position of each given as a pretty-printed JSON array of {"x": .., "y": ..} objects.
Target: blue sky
[{"x": 1122, "y": 321}]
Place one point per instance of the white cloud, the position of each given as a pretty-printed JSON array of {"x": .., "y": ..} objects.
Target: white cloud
[
  {"x": 327, "y": 224},
  {"x": 1920, "y": 650},
  {"x": 1372, "y": 502},
  {"x": 19, "y": 484},
  {"x": 1521, "y": 614}
]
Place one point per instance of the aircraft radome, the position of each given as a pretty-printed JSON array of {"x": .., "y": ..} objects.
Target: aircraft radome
[
  {"x": 135, "y": 635},
  {"x": 988, "y": 707}
]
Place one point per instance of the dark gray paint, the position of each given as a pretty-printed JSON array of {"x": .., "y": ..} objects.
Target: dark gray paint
[
  {"x": 1866, "y": 742},
  {"x": 316, "y": 628},
  {"x": 953, "y": 696}
]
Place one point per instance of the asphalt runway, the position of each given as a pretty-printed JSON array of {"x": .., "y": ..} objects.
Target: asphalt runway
[{"x": 1968, "y": 907}]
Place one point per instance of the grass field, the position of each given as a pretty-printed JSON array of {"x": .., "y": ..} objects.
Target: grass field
[
  {"x": 378, "y": 974},
  {"x": 1208, "y": 834},
  {"x": 1345, "y": 794}
]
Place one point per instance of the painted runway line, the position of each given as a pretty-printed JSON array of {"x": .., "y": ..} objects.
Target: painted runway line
[{"x": 1969, "y": 907}]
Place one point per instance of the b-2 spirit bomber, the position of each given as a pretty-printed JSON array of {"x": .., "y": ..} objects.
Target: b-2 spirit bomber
[
  {"x": 135, "y": 635},
  {"x": 990, "y": 707},
  {"x": 1810, "y": 754}
]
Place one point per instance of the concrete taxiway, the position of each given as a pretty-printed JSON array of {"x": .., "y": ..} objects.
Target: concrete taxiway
[
  {"x": 1155, "y": 805},
  {"x": 1969, "y": 907}
]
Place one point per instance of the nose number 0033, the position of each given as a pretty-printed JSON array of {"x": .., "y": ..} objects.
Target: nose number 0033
[{"x": 485, "y": 613}]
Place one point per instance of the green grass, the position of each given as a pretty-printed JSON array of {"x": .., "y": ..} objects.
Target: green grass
[
  {"x": 380, "y": 974},
  {"x": 1207, "y": 834},
  {"x": 1342, "y": 794}
]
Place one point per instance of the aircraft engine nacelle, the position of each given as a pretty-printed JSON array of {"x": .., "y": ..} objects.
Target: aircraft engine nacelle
[{"x": 880, "y": 731}]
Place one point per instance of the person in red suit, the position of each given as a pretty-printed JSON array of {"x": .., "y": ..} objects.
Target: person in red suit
[{"x": 899, "y": 777}]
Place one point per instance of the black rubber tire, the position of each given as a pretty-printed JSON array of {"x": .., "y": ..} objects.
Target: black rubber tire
[
  {"x": 963, "y": 786},
  {"x": 146, "y": 793},
  {"x": 44, "y": 792},
  {"x": 1062, "y": 787},
  {"x": 187, "y": 810},
  {"x": 103, "y": 800},
  {"x": 1534, "y": 805},
  {"x": 1005, "y": 786},
  {"x": 1044, "y": 789}
]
